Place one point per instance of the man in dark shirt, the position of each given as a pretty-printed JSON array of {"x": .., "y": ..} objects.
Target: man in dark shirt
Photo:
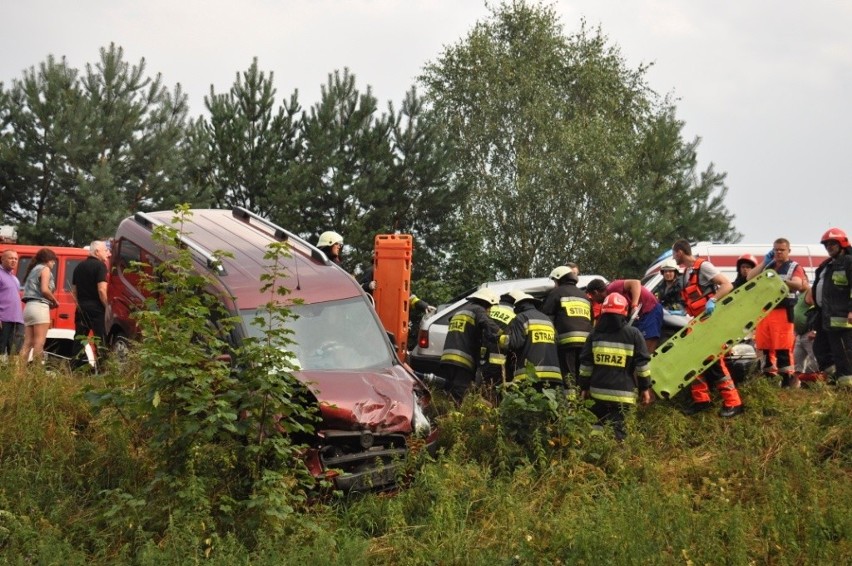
[{"x": 89, "y": 287}]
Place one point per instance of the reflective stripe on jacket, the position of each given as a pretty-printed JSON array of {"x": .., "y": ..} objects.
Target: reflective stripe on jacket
[{"x": 609, "y": 363}]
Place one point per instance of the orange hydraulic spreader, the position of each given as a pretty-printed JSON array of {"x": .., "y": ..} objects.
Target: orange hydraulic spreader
[{"x": 392, "y": 274}]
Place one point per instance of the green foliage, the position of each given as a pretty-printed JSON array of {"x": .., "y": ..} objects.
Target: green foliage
[
  {"x": 770, "y": 486},
  {"x": 82, "y": 150},
  {"x": 253, "y": 148},
  {"x": 550, "y": 132}
]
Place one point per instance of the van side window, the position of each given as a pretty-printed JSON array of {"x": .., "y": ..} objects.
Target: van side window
[
  {"x": 23, "y": 263},
  {"x": 70, "y": 266}
]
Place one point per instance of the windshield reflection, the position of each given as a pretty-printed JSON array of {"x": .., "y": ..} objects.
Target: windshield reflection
[{"x": 335, "y": 335}]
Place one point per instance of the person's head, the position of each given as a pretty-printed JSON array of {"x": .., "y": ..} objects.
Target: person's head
[
  {"x": 745, "y": 263},
  {"x": 615, "y": 303},
  {"x": 484, "y": 297},
  {"x": 835, "y": 242},
  {"x": 681, "y": 250},
  {"x": 331, "y": 243},
  {"x": 521, "y": 298},
  {"x": 9, "y": 260},
  {"x": 781, "y": 247},
  {"x": 669, "y": 270},
  {"x": 44, "y": 256},
  {"x": 574, "y": 267},
  {"x": 596, "y": 289},
  {"x": 98, "y": 249},
  {"x": 563, "y": 275}
]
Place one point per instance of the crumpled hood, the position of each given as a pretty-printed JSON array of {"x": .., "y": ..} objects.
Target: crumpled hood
[{"x": 381, "y": 401}]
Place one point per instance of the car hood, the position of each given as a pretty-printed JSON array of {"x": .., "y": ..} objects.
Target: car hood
[{"x": 378, "y": 400}]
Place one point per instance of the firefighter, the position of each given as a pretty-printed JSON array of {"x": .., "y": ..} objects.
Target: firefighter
[
  {"x": 571, "y": 313},
  {"x": 331, "y": 244},
  {"x": 499, "y": 365},
  {"x": 669, "y": 293},
  {"x": 469, "y": 329},
  {"x": 614, "y": 363},
  {"x": 532, "y": 337},
  {"x": 774, "y": 335},
  {"x": 703, "y": 284},
  {"x": 745, "y": 263},
  {"x": 832, "y": 294}
]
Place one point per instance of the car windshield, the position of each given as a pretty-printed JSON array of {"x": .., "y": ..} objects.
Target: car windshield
[{"x": 335, "y": 335}]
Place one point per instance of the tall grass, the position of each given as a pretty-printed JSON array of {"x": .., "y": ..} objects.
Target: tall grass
[{"x": 769, "y": 487}]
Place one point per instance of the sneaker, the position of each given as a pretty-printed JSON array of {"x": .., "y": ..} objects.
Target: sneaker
[
  {"x": 728, "y": 412},
  {"x": 696, "y": 408}
]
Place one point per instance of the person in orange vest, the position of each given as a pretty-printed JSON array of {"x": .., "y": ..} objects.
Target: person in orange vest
[
  {"x": 703, "y": 284},
  {"x": 774, "y": 335}
]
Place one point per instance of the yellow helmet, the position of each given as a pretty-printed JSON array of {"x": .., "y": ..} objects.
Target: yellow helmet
[{"x": 485, "y": 294}]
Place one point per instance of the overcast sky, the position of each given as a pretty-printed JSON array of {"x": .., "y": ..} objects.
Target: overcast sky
[{"x": 766, "y": 85}]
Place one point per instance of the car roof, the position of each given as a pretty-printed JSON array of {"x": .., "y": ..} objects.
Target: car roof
[
  {"x": 533, "y": 285},
  {"x": 246, "y": 237}
]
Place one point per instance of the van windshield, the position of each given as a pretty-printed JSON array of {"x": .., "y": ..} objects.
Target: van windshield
[{"x": 335, "y": 335}]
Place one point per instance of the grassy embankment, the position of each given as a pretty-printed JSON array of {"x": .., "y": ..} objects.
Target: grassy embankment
[{"x": 770, "y": 487}]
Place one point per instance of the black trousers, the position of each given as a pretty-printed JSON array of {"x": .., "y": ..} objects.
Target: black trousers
[
  {"x": 11, "y": 338},
  {"x": 88, "y": 319}
]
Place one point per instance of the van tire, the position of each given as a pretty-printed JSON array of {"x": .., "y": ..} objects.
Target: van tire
[{"x": 119, "y": 346}]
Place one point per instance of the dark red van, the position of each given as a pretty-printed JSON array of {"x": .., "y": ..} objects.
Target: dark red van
[{"x": 370, "y": 403}]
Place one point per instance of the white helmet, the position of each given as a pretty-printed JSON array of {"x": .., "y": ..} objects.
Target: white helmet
[
  {"x": 485, "y": 294},
  {"x": 519, "y": 296},
  {"x": 328, "y": 239},
  {"x": 561, "y": 271},
  {"x": 669, "y": 265}
]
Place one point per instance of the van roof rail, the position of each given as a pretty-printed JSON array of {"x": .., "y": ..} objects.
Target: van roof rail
[
  {"x": 278, "y": 232},
  {"x": 212, "y": 261}
]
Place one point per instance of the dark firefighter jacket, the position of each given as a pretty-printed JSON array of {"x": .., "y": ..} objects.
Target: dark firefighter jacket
[
  {"x": 532, "y": 336},
  {"x": 465, "y": 336},
  {"x": 502, "y": 314},
  {"x": 610, "y": 360},
  {"x": 571, "y": 313},
  {"x": 834, "y": 283}
]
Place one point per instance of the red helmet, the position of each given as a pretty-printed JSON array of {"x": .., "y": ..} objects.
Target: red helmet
[
  {"x": 746, "y": 258},
  {"x": 837, "y": 235},
  {"x": 614, "y": 303}
]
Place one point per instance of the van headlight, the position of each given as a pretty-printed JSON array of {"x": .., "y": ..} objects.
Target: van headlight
[{"x": 420, "y": 423}]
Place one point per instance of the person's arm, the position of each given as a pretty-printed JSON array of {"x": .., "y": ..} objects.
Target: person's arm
[
  {"x": 102, "y": 293},
  {"x": 723, "y": 285},
  {"x": 634, "y": 287},
  {"x": 44, "y": 280}
]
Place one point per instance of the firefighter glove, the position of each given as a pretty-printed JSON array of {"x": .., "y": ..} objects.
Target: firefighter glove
[
  {"x": 770, "y": 255},
  {"x": 430, "y": 310},
  {"x": 710, "y": 306}
]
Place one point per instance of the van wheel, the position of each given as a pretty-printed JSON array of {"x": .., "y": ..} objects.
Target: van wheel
[{"x": 120, "y": 347}]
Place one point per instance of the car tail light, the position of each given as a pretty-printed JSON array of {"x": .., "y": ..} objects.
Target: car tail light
[{"x": 423, "y": 339}]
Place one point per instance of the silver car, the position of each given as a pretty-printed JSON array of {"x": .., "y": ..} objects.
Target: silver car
[{"x": 426, "y": 355}]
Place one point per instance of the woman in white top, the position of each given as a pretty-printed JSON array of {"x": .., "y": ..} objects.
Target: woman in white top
[{"x": 39, "y": 299}]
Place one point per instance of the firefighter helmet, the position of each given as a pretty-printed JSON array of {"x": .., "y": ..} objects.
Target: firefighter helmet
[
  {"x": 837, "y": 235},
  {"x": 485, "y": 295},
  {"x": 328, "y": 239},
  {"x": 519, "y": 296},
  {"x": 746, "y": 258},
  {"x": 563, "y": 271},
  {"x": 669, "y": 265},
  {"x": 614, "y": 303}
]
